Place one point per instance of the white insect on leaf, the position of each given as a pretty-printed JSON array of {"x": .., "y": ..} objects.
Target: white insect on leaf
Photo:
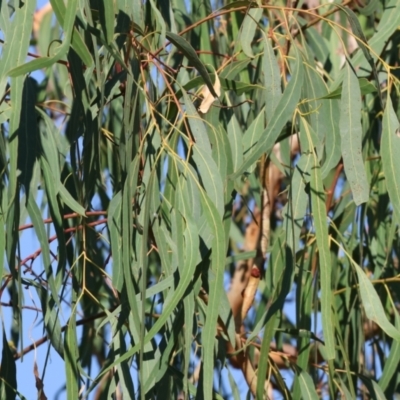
[{"x": 208, "y": 98}]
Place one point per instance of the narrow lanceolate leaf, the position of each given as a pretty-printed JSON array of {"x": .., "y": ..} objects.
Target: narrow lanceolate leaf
[
  {"x": 307, "y": 386},
  {"x": 248, "y": 30},
  {"x": 160, "y": 22},
  {"x": 114, "y": 223},
  {"x": 144, "y": 263},
  {"x": 185, "y": 47},
  {"x": 235, "y": 139},
  {"x": 390, "y": 155},
  {"x": 45, "y": 62},
  {"x": 373, "y": 305},
  {"x": 211, "y": 178},
  {"x": 252, "y": 136},
  {"x": 16, "y": 46},
  {"x": 284, "y": 111},
  {"x": 216, "y": 286},
  {"x": 8, "y": 371},
  {"x": 28, "y": 143},
  {"x": 70, "y": 201},
  {"x": 36, "y": 217},
  {"x": 196, "y": 124},
  {"x": 332, "y": 139},
  {"x": 366, "y": 87},
  {"x": 202, "y": 156},
  {"x": 392, "y": 362},
  {"x": 16, "y": 101},
  {"x": 52, "y": 323},
  {"x": 78, "y": 44},
  {"x": 321, "y": 233},
  {"x": 106, "y": 11},
  {"x": 272, "y": 79},
  {"x": 362, "y": 42},
  {"x": 71, "y": 359},
  {"x": 295, "y": 210},
  {"x": 351, "y": 137}
]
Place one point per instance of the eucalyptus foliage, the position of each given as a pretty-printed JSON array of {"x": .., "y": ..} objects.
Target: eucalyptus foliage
[{"x": 157, "y": 149}]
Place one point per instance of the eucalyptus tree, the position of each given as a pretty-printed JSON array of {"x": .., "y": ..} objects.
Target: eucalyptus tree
[{"x": 200, "y": 199}]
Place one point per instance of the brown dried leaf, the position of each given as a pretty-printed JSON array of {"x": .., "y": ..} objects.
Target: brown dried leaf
[{"x": 208, "y": 98}]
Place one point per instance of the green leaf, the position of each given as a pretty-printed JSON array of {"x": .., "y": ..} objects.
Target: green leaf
[
  {"x": 392, "y": 362},
  {"x": 373, "y": 304},
  {"x": 28, "y": 143},
  {"x": 351, "y": 137},
  {"x": 272, "y": 79},
  {"x": 307, "y": 386},
  {"x": 185, "y": 47},
  {"x": 332, "y": 139},
  {"x": 8, "y": 371},
  {"x": 280, "y": 276},
  {"x": 16, "y": 46},
  {"x": 216, "y": 286},
  {"x": 390, "y": 155},
  {"x": 160, "y": 22},
  {"x": 286, "y": 106},
  {"x": 321, "y": 233},
  {"x": 36, "y": 217},
  {"x": 16, "y": 101},
  {"x": 211, "y": 178},
  {"x": 235, "y": 136},
  {"x": 78, "y": 43},
  {"x": 375, "y": 392},
  {"x": 369, "y": 8},
  {"x": 366, "y": 87},
  {"x": 70, "y": 201},
  {"x": 44, "y": 62},
  {"x": 71, "y": 358},
  {"x": 49, "y": 146},
  {"x": 106, "y": 11},
  {"x": 197, "y": 126},
  {"x": 318, "y": 44},
  {"x": 235, "y": 68},
  {"x": 252, "y": 136},
  {"x": 248, "y": 29},
  {"x": 295, "y": 210},
  {"x": 51, "y": 191},
  {"x": 115, "y": 227},
  {"x": 220, "y": 148},
  {"x": 362, "y": 42}
]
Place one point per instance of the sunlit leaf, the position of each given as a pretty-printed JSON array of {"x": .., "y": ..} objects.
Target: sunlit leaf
[
  {"x": 321, "y": 232},
  {"x": 390, "y": 153},
  {"x": 351, "y": 137},
  {"x": 285, "y": 108},
  {"x": 248, "y": 29}
]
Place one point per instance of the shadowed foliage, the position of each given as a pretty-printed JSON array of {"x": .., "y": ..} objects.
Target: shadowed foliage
[{"x": 200, "y": 199}]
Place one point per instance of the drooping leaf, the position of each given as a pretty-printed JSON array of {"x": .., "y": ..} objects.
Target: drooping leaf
[
  {"x": 44, "y": 62},
  {"x": 272, "y": 78},
  {"x": 307, "y": 386},
  {"x": 351, "y": 137},
  {"x": 390, "y": 155},
  {"x": 373, "y": 306},
  {"x": 8, "y": 371},
  {"x": 321, "y": 233},
  {"x": 391, "y": 363},
  {"x": 248, "y": 29},
  {"x": 285, "y": 108},
  {"x": 366, "y": 87},
  {"x": 185, "y": 47}
]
